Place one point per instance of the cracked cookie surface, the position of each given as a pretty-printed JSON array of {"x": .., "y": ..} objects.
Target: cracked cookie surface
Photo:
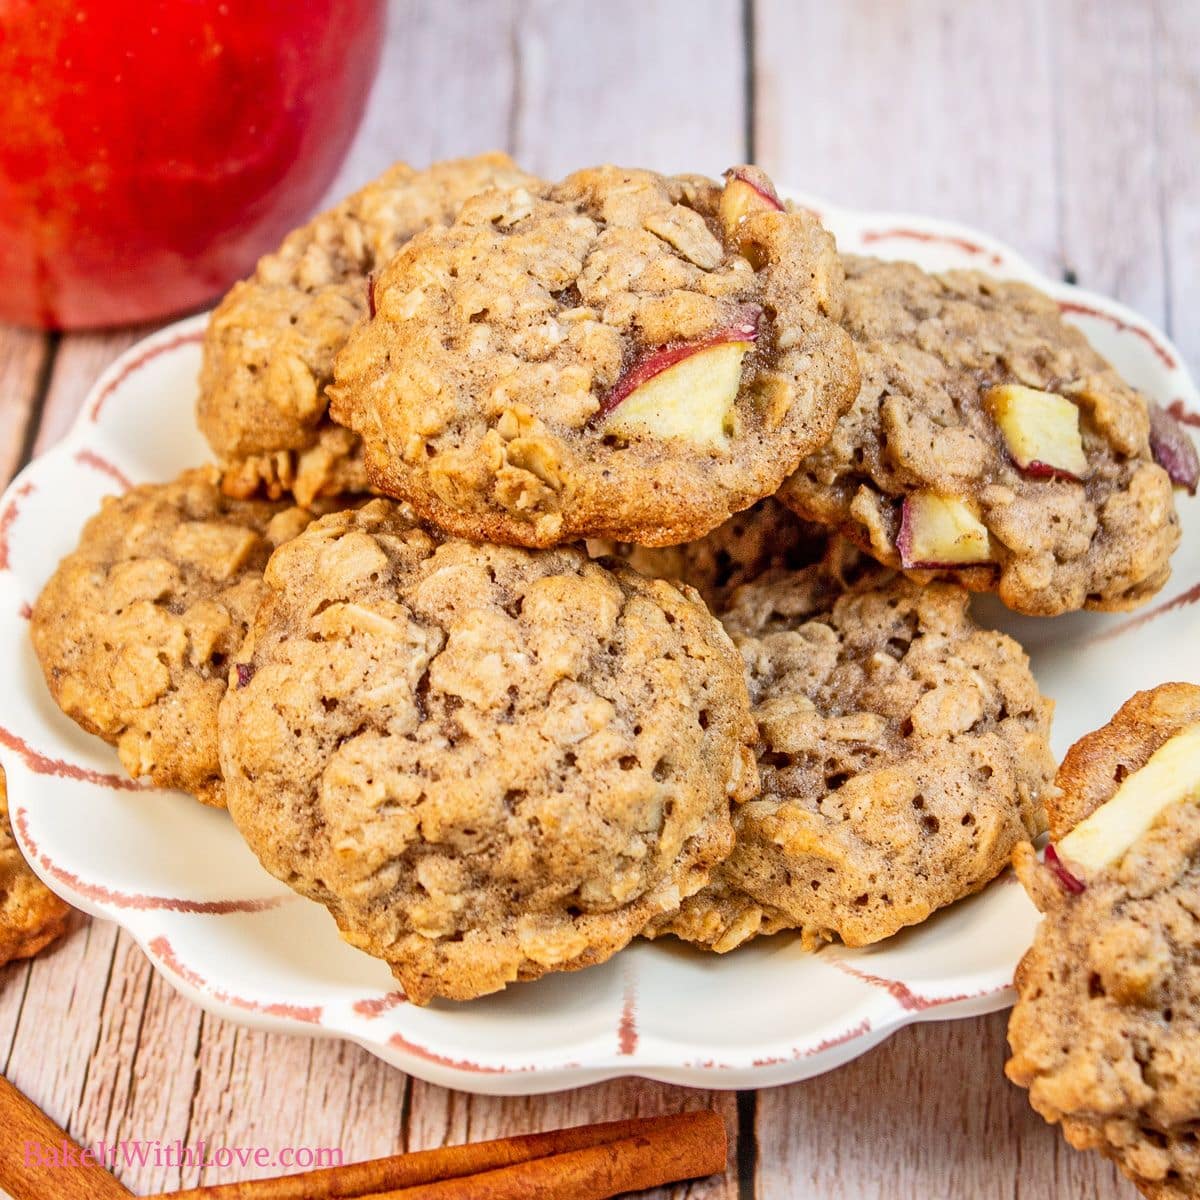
[
  {"x": 270, "y": 344},
  {"x": 31, "y": 915},
  {"x": 1104, "y": 1030},
  {"x": 137, "y": 627},
  {"x": 487, "y": 763},
  {"x": 615, "y": 356},
  {"x": 932, "y": 349},
  {"x": 902, "y": 752}
]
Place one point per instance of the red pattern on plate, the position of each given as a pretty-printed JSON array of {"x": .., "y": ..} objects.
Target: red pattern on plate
[
  {"x": 379, "y": 1005},
  {"x": 1190, "y": 596},
  {"x": 89, "y": 458},
  {"x": 138, "y": 901},
  {"x": 136, "y": 364},
  {"x": 840, "y": 1039},
  {"x": 1179, "y": 411},
  {"x": 11, "y": 512},
  {"x": 457, "y": 1064},
  {"x": 162, "y": 950},
  {"x": 924, "y": 235},
  {"x": 42, "y": 764},
  {"x": 1086, "y": 310},
  {"x": 627, "y": 1030},
  {"x": 899, "y": 991}
]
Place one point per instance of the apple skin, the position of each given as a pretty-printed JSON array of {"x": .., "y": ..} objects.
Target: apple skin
[
  {"x": 744, "y": 328},
  {"x": 1068, "y": 882},
  {"x": 153, "y": 149},
  {"x": 1173, "y": 449}
]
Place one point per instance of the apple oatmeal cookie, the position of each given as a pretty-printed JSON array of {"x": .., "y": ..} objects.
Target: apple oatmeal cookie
[
  {"x": 137, "y": 628},
  {"x": 31, "y": 915},
  {"x": 621, "y": 355},
  {"x": 269, "y": 347},
  {"x": 903, "y": 753},
  {"x": 488, "y": 763},
  {"x": 1106, "y": 1024},
  {"x": 992, "y": 445}
]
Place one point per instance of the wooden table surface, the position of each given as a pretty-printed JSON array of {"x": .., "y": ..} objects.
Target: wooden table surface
[{"x": 1066, "y": 127}]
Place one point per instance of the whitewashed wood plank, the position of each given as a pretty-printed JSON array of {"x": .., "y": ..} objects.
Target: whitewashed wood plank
[
  {"x": 1105, "y": 64},
  {"x": 657, "y": 84},
  {"x": 22, "y": 360},
  {"x": 445, "y": 88},
  {"x": 63, "y": 1006},
  {"x": 926, "y": 1116},
  {"x": 1178, "y": 115},
  {"x": 283, "y": 1093},
  {"x": 932, "y": 106}
]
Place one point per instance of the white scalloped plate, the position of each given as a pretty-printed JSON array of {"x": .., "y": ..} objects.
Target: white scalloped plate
[{"x": 222, "y": 931}]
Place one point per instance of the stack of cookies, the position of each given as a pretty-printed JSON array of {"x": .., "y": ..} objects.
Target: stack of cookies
[{"x": 591, "y": 560}]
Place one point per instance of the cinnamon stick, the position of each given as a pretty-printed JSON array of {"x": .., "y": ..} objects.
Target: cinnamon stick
[
  {"x": 29, "y": 1137},
  {"x": 700, "y": 1138},
  {"x": 632, "y": 1164}
]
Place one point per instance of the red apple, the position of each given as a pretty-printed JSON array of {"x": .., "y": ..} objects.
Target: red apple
[
  {"x": 153, "y": 149},
  {"x": 1173, "y": 449}
]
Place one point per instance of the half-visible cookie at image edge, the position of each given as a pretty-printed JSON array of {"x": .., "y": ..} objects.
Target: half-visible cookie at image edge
[
  {"x": 488, "y": 763},
  {"x": 137, "y": 628},
  {"x": 31, "y": 915},
  {"x": 990, "y": 444},
  {"x": 903, "y": 752},
  {"x": 269, "y": 346},
  {"x": 622, "y": 355},
  {"x": 1107, "y": 1019}
]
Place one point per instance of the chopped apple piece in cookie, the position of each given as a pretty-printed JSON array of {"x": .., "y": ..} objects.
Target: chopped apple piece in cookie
[
  {"x": 941, "y": 531},
  {"x": 747, "y": 190},
  {"x": 683, "y": 391},
  {"x": 1040, "y": 429},
  {"x": 1171, "y": 776}
]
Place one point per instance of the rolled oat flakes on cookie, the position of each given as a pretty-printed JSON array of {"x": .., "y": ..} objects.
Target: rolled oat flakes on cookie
[
  {"x": 1107, "y": 1019},
  {"x": 991, "y": 445},
  {"x": 622, "y": 355},
  {"x": 488, "y": 763}
]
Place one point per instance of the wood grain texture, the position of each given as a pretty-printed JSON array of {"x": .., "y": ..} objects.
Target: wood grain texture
[
  {"x": 602, "y": 83},
  {"x": 1177, "y": 113},
  {"x": 930, "y": 106},
  {"x": 927, "y": 1116},
  {"x": 23, "y": 358},
  {"x": 1064, "y": 127}
]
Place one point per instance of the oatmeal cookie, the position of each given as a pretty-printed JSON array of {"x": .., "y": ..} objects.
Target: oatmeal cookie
[
  {"x": 963, "y": 378},
  {"x": 902, "y": 749},
  {"x": 269, "y": 347},
  {"x": 31, "y": 915},
  {"x": 486, "y": 763},
  {"x": 136, "y": 629},
  {"x": 1107, "y": 1020},
  {"x": 621, "y": 355},
  {"x": 763, "y": 538}
]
